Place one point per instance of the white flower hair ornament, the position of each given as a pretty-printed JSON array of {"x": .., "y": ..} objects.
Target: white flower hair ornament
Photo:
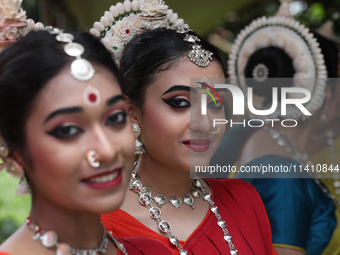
[
  {"x": 13, "y": 22},
  {"x": 125, "y": 20},
  {"x": 284, "y": 32}
]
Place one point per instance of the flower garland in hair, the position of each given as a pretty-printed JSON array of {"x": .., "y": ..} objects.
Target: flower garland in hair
[
  {"x": 125, "y": 20},
  {"x": 301, "y": 46}
]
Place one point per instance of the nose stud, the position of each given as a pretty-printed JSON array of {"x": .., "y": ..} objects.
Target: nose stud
[{"x": 91, "y": 159}]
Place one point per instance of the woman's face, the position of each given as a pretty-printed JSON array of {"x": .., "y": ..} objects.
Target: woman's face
[
  {"x": 174, "y": 132},
  {"x": 62, "y": 128}
]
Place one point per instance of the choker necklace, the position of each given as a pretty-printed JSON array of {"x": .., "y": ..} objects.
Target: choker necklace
[
  {"x": 160, "y": 199},
  {"x": 49, "y": 239},
  {"x": 145, "y": 199},
  {"x": 285, "y": 142}
]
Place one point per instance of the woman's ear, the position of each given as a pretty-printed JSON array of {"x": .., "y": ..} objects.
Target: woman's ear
[
  {"x": 18, "y": 157},
  {"x": 133, "y": 111}
]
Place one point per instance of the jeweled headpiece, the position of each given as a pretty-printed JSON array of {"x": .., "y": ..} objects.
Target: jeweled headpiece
[
  {"x": 125, "y": 20},
  {"x": 81, "y": 69},
  {"x": 281, "y": 31}
]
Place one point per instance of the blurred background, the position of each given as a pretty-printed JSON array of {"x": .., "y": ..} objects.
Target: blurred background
[{"x": 219, "y": 21}]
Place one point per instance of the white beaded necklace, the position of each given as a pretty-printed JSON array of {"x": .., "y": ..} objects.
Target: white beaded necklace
[{"x": 145, "y": 199}]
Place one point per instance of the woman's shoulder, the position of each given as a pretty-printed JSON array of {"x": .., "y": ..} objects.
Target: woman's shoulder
[
  {"x": 230, "y": 186},
  {"x": 235, "y": 189}
]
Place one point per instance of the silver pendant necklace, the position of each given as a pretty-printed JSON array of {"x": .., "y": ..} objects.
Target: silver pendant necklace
[
  {"x": 145, "y": 199},
  {"x": 49, "y": 239},
  {"x": 160, "y": 199}
]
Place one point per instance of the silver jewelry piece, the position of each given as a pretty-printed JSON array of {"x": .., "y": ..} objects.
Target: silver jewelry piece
[
  {"x": 145, "y": 199},
  {"x": 92, "y": 160},
  {"x": 139, "y": 146},
  {"x": 160, "y": 200},
  {"x": 216, "y": 131},
  {"x": 49, "y": 239},
  {"x": 81, "y": 69},
  {"x": 197, "y": 55}
]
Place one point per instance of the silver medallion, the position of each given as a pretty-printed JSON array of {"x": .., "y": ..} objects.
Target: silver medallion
[
  {"x": 65, "y": 38},
  {"x": 74, "y": 49},
  {"x": 160, "y": 200},
  {"x": 175, "y": 201},
  {"x": 82, "y": 70}
]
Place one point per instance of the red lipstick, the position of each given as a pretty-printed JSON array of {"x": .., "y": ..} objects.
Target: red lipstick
[
  {"x": 104, "y": 180},
  {"x": 198, "y": 145}
]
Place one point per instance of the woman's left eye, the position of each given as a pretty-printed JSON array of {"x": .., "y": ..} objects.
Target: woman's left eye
[
  {"x": 216, "y": 106},
  {"x": 116, "y": 119},
  {"x": 177, "y": 102}
]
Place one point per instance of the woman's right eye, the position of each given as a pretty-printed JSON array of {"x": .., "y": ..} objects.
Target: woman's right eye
[
  {"x": 65, "y": 132},
  {"x": 177, "y": 102}
]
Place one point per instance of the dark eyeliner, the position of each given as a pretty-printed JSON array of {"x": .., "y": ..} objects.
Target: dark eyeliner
[
  {"x": 171, "y": 102},
  {"x": 63, "y": 132}
]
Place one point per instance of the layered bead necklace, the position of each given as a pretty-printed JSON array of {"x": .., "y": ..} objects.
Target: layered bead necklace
[
  {"x": 145, "y": 199},
  {"x": 49, "y": 239}
]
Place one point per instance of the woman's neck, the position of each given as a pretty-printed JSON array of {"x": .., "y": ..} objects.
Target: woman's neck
[
  {"x": 297, "y": 135},
  {"x": 162, "y": 178},
  {"x": 78, "y": 229}
]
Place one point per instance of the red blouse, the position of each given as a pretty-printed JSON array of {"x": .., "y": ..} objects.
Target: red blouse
[{"x": 239, "y": 205}]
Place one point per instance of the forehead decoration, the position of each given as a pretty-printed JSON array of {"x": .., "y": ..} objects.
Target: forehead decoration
[{"x": 81, "y": 69}]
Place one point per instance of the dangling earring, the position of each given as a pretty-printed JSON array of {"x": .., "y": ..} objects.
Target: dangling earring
[
  {"x": 23, "y": 188},
  {"x": 139, "y": 146}
]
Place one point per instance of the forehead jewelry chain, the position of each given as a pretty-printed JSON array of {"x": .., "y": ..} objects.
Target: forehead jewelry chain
[
  {"x": 81, "y": 69},
  {"x": 145, "y": 199}
]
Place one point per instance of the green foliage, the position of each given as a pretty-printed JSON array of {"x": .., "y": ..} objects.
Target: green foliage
[{"x": 13, "y": 209}]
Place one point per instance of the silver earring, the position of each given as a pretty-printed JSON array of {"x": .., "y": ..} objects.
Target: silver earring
[
  {"x": 139, "y": 146},
  {"x": 92, "y": 160},
  {"x": 23, "y": 188},
  {"x": 216, "y": 131}
]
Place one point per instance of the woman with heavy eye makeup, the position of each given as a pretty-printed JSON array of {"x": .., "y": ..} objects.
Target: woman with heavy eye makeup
[
  {"x": 166, "y": 82},
  {"x": 65, "y": 133}
]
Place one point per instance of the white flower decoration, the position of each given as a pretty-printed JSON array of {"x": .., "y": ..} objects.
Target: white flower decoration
[
  {"x": 10, "y": 11},
  {"x": 125, "y": 20},
  {"x": 11, "y": 33},
  {"x": 153, "y": 8}
]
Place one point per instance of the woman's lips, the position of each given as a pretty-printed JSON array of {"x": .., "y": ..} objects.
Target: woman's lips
[
  {"x": 104, "y": 180},
  {"x": 197, "y": 145}
]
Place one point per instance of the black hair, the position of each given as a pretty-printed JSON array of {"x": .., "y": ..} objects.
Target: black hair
[
  {"x": 280, "y": 65},
  {"x": 26, "y": 66},
  {"x": 151, "y": 53}
]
